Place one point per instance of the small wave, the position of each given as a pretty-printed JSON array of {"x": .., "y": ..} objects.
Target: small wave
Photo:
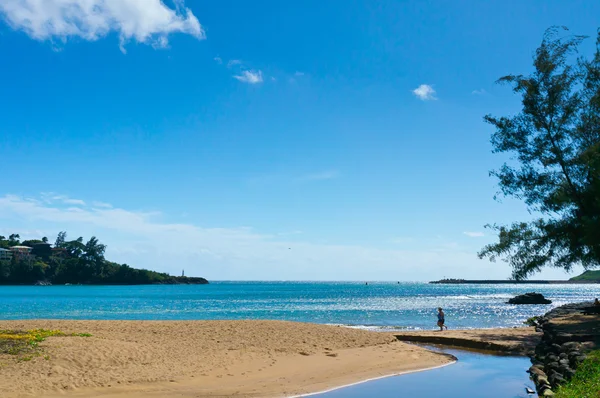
[{"x": 376, "y": 328}]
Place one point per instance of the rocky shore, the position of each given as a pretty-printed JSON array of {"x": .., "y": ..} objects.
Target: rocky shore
[{"x": 567, "y": 335}]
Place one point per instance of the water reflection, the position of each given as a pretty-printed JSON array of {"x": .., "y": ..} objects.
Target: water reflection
[{"x": 474, "y": 375}]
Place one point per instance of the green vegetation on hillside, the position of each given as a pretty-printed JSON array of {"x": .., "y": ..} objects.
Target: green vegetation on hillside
[
  {"x": 73, "y": 262},
  {"x": 592, "y": 276},
  {"x": 586, "y": 382}
]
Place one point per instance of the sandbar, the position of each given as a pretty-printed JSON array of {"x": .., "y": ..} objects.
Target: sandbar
[{"x": 248, "y": 358}]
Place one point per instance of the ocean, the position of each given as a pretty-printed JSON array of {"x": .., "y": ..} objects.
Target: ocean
[{"x": 376, "y": 306}]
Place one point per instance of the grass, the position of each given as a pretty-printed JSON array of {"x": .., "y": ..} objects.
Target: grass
[
  {"x": 25, "y": 344},
  {"x": 587, "y": 276},
  {"x": 586, "y": 382}
]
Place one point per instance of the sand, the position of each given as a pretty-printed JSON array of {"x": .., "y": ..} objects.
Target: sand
[
  {"x": 203, "y": 359},
  {"x": 509, "y": 340}
]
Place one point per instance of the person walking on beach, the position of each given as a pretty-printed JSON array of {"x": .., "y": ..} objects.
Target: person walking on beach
[{"x": 441, "y": 319}]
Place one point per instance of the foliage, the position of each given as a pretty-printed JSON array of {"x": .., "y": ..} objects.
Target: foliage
[
  {"x": 555, "y": 141},
  {"x": 25, "y": 344},
  {"x": 533, "y": 321},
  {"x": 75, "y": 262},
  {"x": 586, "y": 381},
  {"x": 591, "y": 276}
]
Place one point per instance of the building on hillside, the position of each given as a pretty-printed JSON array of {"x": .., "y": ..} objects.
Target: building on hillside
[
  {"x": 42, "y": 249},
  {"x": 22, "y": 252},
  {"x": 21, "y": 249},
  {"x": 5, "y": 254}
]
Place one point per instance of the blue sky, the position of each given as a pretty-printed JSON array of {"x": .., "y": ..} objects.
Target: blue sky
[{"x": 266, "y": 140}]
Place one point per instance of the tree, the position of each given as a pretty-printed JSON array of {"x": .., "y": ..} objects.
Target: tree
[
  {"x": 94, "y": 256},
  {"x": 75, "y": 247},
  {"x": 14, "y": 240},
  {"x": 60, "y": 239},
  {"x": 555, "y": 140}
]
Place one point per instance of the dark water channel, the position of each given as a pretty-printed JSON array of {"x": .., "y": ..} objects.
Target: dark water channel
[{"x": 475, "y": 375}]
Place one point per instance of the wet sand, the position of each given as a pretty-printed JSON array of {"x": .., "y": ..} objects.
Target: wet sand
[
  {"x": 507, "y": 340},
  {"x": 203, "y": 359}
]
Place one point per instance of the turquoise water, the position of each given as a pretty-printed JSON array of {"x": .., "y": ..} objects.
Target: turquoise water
[
  {"x": 474, "y": 375},
  {"x": 376, "y": 305}
]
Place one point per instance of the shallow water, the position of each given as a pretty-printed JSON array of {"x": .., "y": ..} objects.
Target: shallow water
[
  {"x": 372, "y": 306},
  {"x": 474, "y": 375}
]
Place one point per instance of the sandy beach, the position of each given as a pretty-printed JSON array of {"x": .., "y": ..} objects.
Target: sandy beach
[{"x": 203, "y": 359}]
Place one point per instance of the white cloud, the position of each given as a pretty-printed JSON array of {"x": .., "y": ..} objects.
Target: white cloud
[
  {"x": 101, "y": 204},
  {"x": 425, "y": 92},
  {"x": 50, "y": 197},
  {"x": 142, "y": 240},
  {"x": 250, "y": 77},
  {"x": 233, "y": 62},
  {"x": 218, "y": 60},
  {"x": 474, "y": 234},
  {"x": 145, "y": 21},
  {"x": 479, "y": 92},
  {"x": 299, "y": 74},
  {"x": 323, "y": 175}
]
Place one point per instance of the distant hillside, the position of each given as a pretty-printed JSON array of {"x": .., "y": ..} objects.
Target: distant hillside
[
  {"x": 73, "y": 262},
  {"x": 588, "y": 276}
]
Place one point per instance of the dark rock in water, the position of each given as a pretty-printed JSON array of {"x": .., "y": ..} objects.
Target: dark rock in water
[
  {"x": 529, "y": 298},
  {"x": 535, "y": 371}
]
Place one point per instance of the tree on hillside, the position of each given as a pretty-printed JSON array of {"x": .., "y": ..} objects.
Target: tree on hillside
[
  {"x": 93, "y": 255},
  {"x": 75, "y": 248},
  {"x": 60, "y": 239},
  {"x": 14, "y": 240},
  {"x": 555, "y": 168}
]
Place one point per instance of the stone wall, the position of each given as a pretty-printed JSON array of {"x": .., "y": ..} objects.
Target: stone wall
[{"x": 567, "y": 336}]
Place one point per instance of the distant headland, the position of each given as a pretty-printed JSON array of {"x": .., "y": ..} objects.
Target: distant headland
[
  {"x": 37, "y": 262},
  {"x": 588, "y": 277}
]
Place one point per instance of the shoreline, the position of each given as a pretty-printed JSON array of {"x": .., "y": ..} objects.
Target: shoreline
[
  {"x": 205, "y": 358},
  {"x": 374, "y": 379},
  {"x": 511, "y": 341}
]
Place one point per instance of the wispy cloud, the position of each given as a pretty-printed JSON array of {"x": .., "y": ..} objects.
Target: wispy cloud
[
  {"x": 101, "y": 205},
  {"x": 425, "y": 92},
  {"x": 50, "y": 197},
  {"x": 474, "y": 234},
  {"x": 479, "y": 92},
  {"x": 147, "y": 22},
  {"x": 250, "y": 77},
  {"x": 323, "y": 175},
  {"x": 218, "y": 60},
  {"x": 233, "y": 62},
  {"x": 142, "y": 239}
]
